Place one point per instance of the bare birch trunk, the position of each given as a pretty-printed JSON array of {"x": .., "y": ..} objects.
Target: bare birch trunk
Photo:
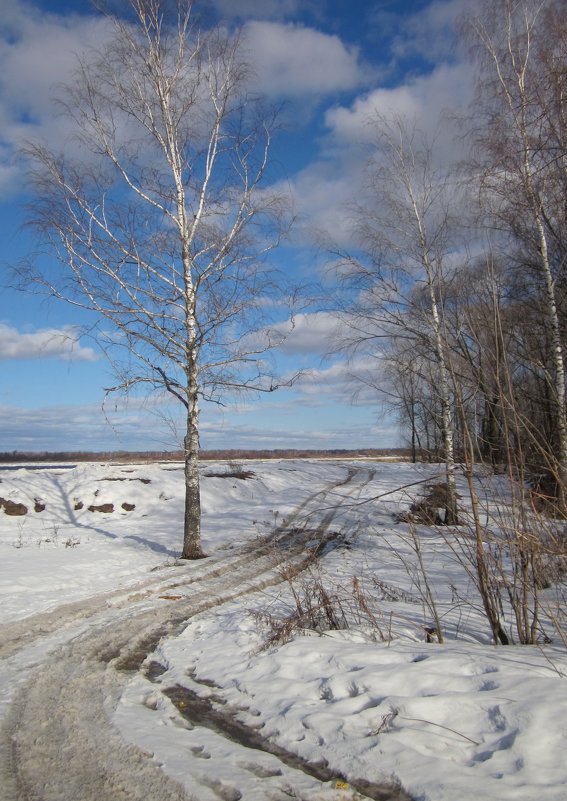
[
  {"x": 192, "y": 517},
  {"x": 451, "y": 514},
  {"x": 557, "y": 358}
]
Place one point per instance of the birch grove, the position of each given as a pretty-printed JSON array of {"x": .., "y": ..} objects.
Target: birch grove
[{"x": 521, "y": 145}]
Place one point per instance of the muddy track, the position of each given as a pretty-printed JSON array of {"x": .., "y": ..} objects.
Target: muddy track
[
  {"x": 298, "y": 527},
  {"x": 57, "y": 741}
]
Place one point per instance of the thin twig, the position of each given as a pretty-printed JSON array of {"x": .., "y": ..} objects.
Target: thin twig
[{"x": 440, "y": 726}]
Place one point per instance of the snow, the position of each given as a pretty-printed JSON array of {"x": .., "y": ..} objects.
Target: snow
[{"x": 374, "y": 701}]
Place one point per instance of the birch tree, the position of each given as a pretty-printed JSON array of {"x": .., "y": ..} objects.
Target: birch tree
[
  {"x": 405, "y": 229},
  {"x": 159, "y": 216},
  {"x": 521, "y": 136}
]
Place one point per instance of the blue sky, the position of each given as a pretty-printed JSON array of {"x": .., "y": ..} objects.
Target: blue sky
[{"x": 333, "y": 63}]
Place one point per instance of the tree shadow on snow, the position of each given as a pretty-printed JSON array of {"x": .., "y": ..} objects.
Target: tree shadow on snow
[
  {"x": 155, "y": 546},
  {"x": 61, "y": 502}
]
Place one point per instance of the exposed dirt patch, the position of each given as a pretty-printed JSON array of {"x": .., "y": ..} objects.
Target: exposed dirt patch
[
  {"x": 128, "y": 507},
  {"x": 103, "y": 507},
  {"x": 120, "y": 478},
  {"x": 154, "y": 670},
  {"x": 12, "y": 508},
  {"x": 240, "y": 474}
]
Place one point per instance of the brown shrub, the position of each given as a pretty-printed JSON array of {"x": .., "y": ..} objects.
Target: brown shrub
[{"x": 426, "y": 510}]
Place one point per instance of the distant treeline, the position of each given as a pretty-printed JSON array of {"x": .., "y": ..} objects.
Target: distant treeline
[{"x": 17, "y": 457}]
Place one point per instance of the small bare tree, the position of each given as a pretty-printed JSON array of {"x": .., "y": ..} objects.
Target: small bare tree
[{"x": 159, "y": 216}]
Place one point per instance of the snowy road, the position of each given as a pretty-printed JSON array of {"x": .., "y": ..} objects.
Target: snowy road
[{"x": 64, "y": 672}]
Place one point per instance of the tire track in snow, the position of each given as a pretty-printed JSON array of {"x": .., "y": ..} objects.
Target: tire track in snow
[
  {"x": 57, "y": 742},
  {"x": 318, "y": 511},
  {"x": 19, "y": 634}
]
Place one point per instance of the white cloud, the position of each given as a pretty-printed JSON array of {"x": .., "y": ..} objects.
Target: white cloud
[
  {"x": 314, "y": 333},
  {"x": 354, "y": 381},
  {"x": 348, "y": 435},
  {"x": 431, "y": 33},
  {"x": 317, "y": 347},
  {"x": 38, "y": 52},
  {"x": 261, "y": 425},
  {"x": 321, "y": 193},
  {"x": 80, "y": 428},
  {"x": 295, "y": 61},
  {"x": 427, "y": 98},
  {"x": 49, "y": 343},
  {"x": 41, "y": 53},
  {"x": 322, "y": 417},
  {"x": 324, "y": 191}
]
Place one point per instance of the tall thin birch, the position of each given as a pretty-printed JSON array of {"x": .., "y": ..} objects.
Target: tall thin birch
[
  {"x": 405, "y": 228},
  {"x": 156, "y": 216}
]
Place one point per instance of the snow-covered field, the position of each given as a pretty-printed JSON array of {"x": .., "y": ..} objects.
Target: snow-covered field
[{"x": 372, "y": 702}]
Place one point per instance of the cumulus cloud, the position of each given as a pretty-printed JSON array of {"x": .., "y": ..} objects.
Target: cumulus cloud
[
  {"x": 49, "y": 343},
  {"x": 294, "y": 61},
  {"x": 426, "y": 98},
  {"x": 38, "y": 52},
  {"x": 431, "y": 33},
  {"x": 317, "y": 348},
  {"x": 88, "y": 428},
  {"x": 296, "y": 419},
  {"x": 321, "y": 193},
  {"x": 363, "y": 434},
  {"x": 355, "y": 381},
  {"x": 324, "y": 190},
  {"x": 432, "y": 98},
  {"x": 312, "y": 334}
]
